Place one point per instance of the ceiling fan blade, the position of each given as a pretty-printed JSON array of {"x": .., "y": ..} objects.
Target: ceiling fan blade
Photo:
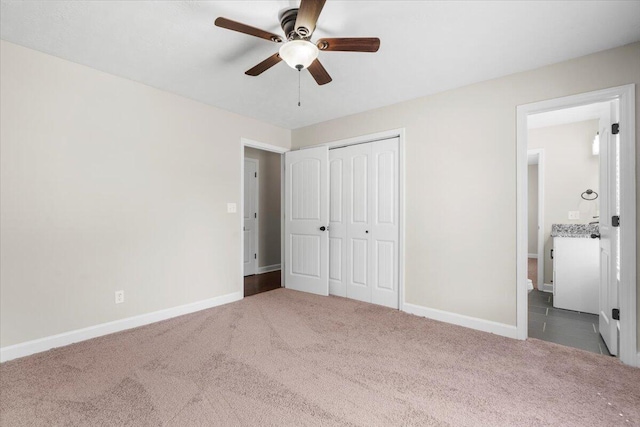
[
  {"x": 246, "y": 29},
  {"x": 264, "y": 65},
  {"x": 349, "y": 44},
  {"x": 307, "y": 16},
  {"x": 319, "y": 73}
]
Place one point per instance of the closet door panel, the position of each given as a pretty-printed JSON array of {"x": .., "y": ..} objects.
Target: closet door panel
[
  {"x": 358, "y": 184},
  {"x": 385, "y": 227},
  {"x": 385, "y": 265},
  {"x": 337, "y": 225}
]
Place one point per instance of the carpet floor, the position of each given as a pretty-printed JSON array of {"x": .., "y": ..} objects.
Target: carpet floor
[{"x": 290, "y": 358}]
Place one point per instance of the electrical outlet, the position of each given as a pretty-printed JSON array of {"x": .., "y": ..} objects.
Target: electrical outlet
[
  {"x": 119, "y": 297},
  {"x": 231, "y": 208},
  {"x": 574, "y": 214}
]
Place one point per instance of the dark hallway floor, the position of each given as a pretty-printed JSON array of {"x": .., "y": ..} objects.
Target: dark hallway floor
[{"x": 261, "y": 283}]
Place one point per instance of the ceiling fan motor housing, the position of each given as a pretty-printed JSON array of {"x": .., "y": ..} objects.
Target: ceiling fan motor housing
[{"x": 288, "y": 24}]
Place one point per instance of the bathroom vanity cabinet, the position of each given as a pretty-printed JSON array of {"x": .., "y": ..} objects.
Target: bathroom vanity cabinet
[{"x": 576, "y": 273}]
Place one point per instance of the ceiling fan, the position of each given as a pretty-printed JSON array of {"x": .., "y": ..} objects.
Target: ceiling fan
[{"x": 297, "y": 50}]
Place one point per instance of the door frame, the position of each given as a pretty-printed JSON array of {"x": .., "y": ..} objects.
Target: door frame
[
  {"x": 379, "y": 136},
  {"x": 246, "y": 142},
  {"x": 627, "y": 292},
  {"x": 256, "y": 200},
  {"x": 538, "y": 153}
]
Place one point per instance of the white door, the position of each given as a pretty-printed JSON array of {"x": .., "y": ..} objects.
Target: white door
[
  {"x": 385, "y": 230},
  {"x": 250, "y": 215},
  {"x": 338, "y": 203},
  {"x": 608, "y": 235},
  {"x": 306, "y": 220},
  {"x": 364, "y": 232},
  {"x": 359, "y": 228}
]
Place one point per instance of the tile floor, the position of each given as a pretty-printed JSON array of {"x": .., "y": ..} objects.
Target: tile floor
[{"x": 565, "y": 327}]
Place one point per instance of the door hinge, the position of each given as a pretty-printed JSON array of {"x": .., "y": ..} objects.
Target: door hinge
[
  {"x": 255, "y": 256},
  {"x": 615, "y": 221},
  {"x": 615, "y": 128},
  {"x": 256, "y": 174},
  {"x": 255, "y": 215},
  {"x": 615, "y": 314}
]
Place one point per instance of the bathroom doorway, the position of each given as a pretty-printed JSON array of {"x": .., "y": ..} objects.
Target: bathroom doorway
[
  {"x": 564, "y": 306},
  {"x": 588, "y": 265}
]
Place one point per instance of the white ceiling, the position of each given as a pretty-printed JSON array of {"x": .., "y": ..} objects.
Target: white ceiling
[{"x": 426, "y": 47}]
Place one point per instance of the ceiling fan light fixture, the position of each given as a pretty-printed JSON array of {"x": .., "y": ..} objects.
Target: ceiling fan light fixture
[{"x": 299, "y": 54}]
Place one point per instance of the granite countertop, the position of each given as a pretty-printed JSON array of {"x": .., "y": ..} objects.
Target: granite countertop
[{"x": 574, "y": 230}]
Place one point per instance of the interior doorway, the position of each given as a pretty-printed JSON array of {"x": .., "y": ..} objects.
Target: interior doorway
[
  {"x": 262, "y": 172},
  {"x": 590, "y": 262}
]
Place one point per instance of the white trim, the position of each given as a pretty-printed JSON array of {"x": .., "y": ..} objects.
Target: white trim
[
  {"x": 362, "y": 139},
  {"x": 256, "y": 240},
  {"x": 66, "y": 338},
  {"x": 262, "y": 146},
  {"x": 534, "y": 256},
  {"x": 282, "y": 223},
  {"x": 539, "y": 155},
  {"x": 627, "y": 292},
  {"x": 628, "y": 273},
  {"x": 379, "y": 136},
  {"x": 256, "y": 228},
  {"x": 502, "y": 329},
  {"x": 268, "y": 268},
  {"x": 547, "y": 287},
  {"x": 402, "y": 216},
  {"x": 245, "y": 142}
]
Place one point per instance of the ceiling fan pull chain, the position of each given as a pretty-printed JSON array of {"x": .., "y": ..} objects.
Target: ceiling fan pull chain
[{"x": 299, "y": 69}]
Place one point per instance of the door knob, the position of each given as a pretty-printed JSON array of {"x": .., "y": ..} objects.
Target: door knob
[
  {"x": 323, "y": 228},
  {"x": 595, "y": 236}
]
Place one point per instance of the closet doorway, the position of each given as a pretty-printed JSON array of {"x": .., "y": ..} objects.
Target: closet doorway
[{"x": 343, "y": 219}]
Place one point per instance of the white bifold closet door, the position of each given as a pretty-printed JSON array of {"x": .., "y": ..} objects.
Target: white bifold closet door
[
  {"x": 363, "y": 222},
  {"x": 306, "y": 220}
]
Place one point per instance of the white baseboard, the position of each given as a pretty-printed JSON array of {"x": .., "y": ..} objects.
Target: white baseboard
[
  {"x": 533, "y": 256},
  {"x": 268, "y": 268},
  {"x": 547, "y": 287},
  {"x": 66, "y": 338},
  {"x": 462, "y": 320}
]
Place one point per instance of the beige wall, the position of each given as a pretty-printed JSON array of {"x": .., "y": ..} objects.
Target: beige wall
[
  {"x": 533, "y": 209},
  {"x": 569, "y": 169},
  {"x": 108, "y": 184},
  {"x": 461, "y": 177},
  {"x": 269, "y": 205}
]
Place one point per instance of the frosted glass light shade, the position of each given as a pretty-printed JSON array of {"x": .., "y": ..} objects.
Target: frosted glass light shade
[{"x": 298, "y": 53}]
